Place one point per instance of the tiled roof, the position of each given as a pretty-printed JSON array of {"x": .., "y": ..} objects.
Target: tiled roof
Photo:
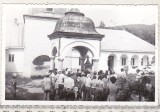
[{"x": 121, "y": 40}]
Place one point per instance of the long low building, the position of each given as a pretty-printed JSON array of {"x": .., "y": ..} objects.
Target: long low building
[{"x": 72, "y": 41}]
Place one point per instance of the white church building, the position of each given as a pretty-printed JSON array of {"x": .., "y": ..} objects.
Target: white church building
[{"x": 48, "y": 40}]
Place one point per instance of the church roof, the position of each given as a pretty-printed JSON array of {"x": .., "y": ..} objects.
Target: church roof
[
  {"x": 121, "y": 40},
  {"x": 74, "y": 23}
]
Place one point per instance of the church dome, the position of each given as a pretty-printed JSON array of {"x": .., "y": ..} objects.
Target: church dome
[{"x": 75, "y": 23}]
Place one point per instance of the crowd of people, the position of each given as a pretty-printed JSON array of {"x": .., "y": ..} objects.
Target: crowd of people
[
  {"x": 95, "y": 86},
  {"x": 92, "y": 86}
]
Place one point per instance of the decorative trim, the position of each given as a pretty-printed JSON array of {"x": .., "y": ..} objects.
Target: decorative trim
[
  {"x": 42, "y": 18},
  {"x": 76, "y": 35},
  {"x": 105, "y": 50}
]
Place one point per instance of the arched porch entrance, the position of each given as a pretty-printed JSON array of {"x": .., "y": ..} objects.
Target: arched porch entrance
[
  {"x": 78, "y": 57},
  {"x": 73, "y": 34}
]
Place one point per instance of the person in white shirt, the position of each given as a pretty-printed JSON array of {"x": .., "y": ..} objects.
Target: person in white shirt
[
  {"x": 53, "y": 82},
  {"x": 122, "y": 74},
  {"x": 139, "y": 75},
  {"x": 60, "y": 82},
  {"x": 87, "y": 87},
  {"x": 68, "y": 83},
  {"x": 46, "y": 86}
]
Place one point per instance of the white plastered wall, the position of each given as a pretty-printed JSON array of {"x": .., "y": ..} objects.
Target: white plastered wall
[
  {"x": 103, "y": 62},
  {"x": 36, "y": 41},
  {"x": 17, "y": 65}
]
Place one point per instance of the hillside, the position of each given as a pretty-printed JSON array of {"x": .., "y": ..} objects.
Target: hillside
[{"x": 145, "y": 32}]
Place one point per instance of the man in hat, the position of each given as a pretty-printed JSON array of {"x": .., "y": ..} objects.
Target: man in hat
[{"x": 13, "y": 86}]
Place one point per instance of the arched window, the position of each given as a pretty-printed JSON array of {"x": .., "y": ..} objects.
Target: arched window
[
  {"x": 145, "y": 61},
  {"x": 49, "y": 9},
  {"x": 132, "y": 61},
  {"x": 123, "y": 61}
]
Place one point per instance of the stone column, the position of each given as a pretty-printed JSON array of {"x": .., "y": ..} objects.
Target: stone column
[
  {"x": 107, "y": 65},
  {"x": 150, "y": 61},
  {"x": 52, "y": 63},
  {"x": 95, "y": 65},
  {"x": 118, "y": 66},
  {"x": 60, "y": 63},
  {"x": 129, "y": 65},
  {"x": 139, "y": 62}
]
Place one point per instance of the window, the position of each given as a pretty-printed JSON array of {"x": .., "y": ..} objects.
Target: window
[
  {"x": 147, "y": 61},
  {"x": 49, "y": 9},
  {"x": 142, "y": 62},
  {"x": 11, "y": 57},
  {"x": 123, "y": 61},
  {"x": 132, "y": 61}
]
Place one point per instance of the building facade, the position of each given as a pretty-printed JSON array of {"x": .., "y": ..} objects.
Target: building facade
[{"x": 70, "y": 40}]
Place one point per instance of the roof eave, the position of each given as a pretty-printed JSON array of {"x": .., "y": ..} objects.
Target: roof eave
[
  {"x": 75, "y": 35},
  {"x": 129, "y": 51}
]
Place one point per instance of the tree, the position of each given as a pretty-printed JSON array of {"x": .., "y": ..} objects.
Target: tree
[
  {"x": 102, "y": 25},
  {"x": 40, "y": 60}
]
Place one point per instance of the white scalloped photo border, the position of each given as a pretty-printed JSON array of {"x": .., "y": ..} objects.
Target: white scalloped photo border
[{"x": 90, "y": 103}]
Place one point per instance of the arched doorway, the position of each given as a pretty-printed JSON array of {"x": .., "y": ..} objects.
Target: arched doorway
[
  {"x": 78, "y": 57},
  {"x": 111, "y": 62}
]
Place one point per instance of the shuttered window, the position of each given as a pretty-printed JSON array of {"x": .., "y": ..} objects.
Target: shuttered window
[{"x": 11, "y": 58}]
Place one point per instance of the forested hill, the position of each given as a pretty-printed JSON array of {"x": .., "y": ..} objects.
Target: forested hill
[{"x": 145, "y": 32}]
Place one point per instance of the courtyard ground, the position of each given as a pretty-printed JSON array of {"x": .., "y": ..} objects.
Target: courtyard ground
[{"x": 31, "y": 89}]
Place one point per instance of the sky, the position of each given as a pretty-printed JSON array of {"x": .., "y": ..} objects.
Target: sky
[{"x": 111, "y": 15}]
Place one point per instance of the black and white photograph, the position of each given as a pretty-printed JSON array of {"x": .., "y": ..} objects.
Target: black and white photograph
[{"x": 80, "y": 53}]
